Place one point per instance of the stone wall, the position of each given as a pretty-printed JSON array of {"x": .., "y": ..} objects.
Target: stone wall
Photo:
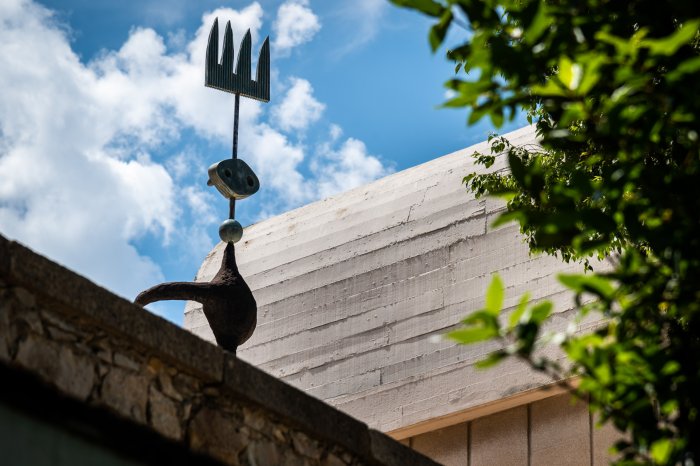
[{"x": 111, "y": 356}]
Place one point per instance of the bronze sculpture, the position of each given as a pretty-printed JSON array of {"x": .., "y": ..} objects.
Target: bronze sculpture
[{"x": 227, "y": 302}]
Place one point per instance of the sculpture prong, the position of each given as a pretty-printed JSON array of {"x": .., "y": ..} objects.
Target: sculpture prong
[{"x": 219, "y": 73}]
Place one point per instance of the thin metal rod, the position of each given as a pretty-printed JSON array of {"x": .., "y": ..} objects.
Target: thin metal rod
[{"x": 234, "y": 154}]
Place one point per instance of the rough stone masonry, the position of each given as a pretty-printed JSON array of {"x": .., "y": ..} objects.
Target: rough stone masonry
[{"x": 108, "y": 354}]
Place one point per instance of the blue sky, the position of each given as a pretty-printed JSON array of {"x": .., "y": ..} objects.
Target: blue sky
[{"x": 106, "y": 129}]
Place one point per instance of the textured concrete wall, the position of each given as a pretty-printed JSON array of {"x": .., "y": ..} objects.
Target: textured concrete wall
[
  {"x": 101, "y": 352},
  {"x": 551, "y": 431},
  {"x": 350, "y": 289}
]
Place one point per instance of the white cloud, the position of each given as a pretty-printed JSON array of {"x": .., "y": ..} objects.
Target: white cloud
[
  {"x": 63, "y": 189},
  {"x": 335, "y": 132},
  {"x": 298, "y": 108},
  {"x": 363, "y": 19},
  {"x": 346, "y": 167},
  {"x": 83, "y": 175},
  {"x": 294, "y": 25},
  {"x": 277, "y": 163},
  {"x": 200, "y": 202},
  {"x": 183, "y": 164}
]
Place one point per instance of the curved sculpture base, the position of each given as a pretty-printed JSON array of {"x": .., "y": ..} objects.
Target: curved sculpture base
[{"x": 227, "y": 301}]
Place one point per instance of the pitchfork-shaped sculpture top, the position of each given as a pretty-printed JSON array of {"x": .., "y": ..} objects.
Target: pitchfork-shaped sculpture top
[
  {"x": 220, "y": 75},
  {"x": 234, "y": 179}
]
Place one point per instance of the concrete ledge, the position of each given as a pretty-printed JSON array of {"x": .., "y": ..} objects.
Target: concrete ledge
[{"x": 93, "y": 346}]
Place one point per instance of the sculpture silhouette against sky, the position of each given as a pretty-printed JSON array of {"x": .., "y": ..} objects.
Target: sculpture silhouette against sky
[{"x": 227, "y": 301}]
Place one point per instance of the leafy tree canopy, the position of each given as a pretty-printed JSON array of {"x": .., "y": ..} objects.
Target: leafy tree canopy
[{"x": 613, "y": 88}]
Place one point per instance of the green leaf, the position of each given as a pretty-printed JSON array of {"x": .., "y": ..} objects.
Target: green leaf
[
  {"x": 569, "y": 73},
  {"x": 622, "y": 46},
  {"x": 539, "y": 24},
  {"x": 479, "y": 111},
  {"x": 670, "y": 407},
  {"x": 466, "y": 336},
  {"x": 497, "y": 118},
  {"x": 603, "y": 373},
  {"x": 689, "y": 66},
  {"x": 671, "y": 367},
  {"x": 540, "y": 312},
  {"x": 468, "y": 92},
  {"x": 549, "y": 89},
  {"x": 482, "y": 318},
  {"x": 439, "y": 30},
  {"x": 494, "y": 296},
  {"x": 661, "y": 450},
  {"x": 491, "y": 360},
  {"x": 669, "y": 45},
  {"x": 507, "y": 217},
  {"x": 591, "y": 72},
  {"x": 519, "y": 310},
  {"x": 517, "y": 168},
  {"x": 429, "y": 7},
  {"x": 595, "y": 284}
]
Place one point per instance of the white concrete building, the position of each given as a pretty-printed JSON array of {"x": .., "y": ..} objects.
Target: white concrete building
[{"x": 351, "y": 289}]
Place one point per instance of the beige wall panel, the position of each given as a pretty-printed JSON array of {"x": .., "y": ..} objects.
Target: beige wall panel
[
  {"x": 604, "y": 437},
  {"x": 447, "y": 446},
  {"x": 559, "y": 432},
  {"x": 500, "y": 439}
]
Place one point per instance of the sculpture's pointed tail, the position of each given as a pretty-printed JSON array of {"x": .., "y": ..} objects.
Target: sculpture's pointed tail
[{"x": 174, "y": 291}]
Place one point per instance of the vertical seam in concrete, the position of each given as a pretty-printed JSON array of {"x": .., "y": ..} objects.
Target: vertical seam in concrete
[
  {"x": 590, "y": 429},
  {"x": 529, "y": 434},
  {"x": 469, "y": 443}
]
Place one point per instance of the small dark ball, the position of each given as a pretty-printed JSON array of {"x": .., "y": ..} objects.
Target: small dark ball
[{"x": 230, "y": 231}]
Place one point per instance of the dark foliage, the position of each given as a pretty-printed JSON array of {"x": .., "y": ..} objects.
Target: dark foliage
[{"x": 614, "y": 90}]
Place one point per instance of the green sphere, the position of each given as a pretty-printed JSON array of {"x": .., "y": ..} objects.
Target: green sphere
[{"x": 230, "y": 231}]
